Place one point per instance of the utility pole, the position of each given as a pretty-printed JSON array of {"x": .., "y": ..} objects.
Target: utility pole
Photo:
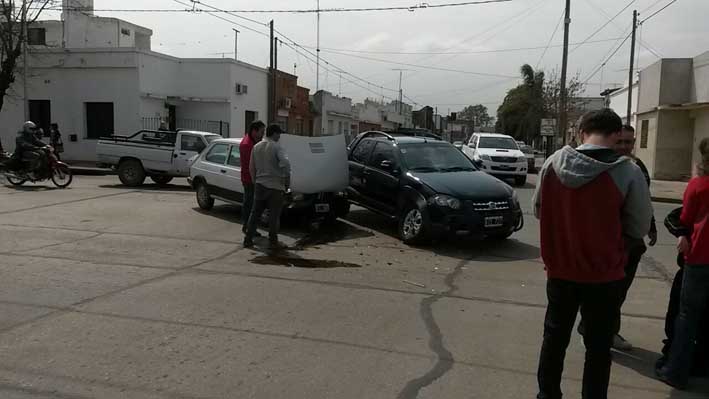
[
  {"x": 275, "y": 79},
  {"x": 236, "y": 43},
  {"x": 631, "y": 71},
  {"x": 25, "y": 61},
  {"x": 562, "y": 95},
  {"x": 317, "y": 63},
  {"x": 401, "y": 92},
  {"x": 271, "y": 80}
]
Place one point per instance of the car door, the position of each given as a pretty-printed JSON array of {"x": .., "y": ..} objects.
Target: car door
[
  {"x": 382, "y": 177},
  {"x": 186, "y": 150},
  {"x": 469, "y": 149},
  {"x": 213, "y": 166},
  {"x": 232, "y": 179},
  {"x": 359, "y": 156}
]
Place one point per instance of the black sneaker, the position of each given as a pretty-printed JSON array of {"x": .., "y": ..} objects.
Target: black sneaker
[
  {"x": 248, "y": 243},
  {"x": 662, "y": 376}
]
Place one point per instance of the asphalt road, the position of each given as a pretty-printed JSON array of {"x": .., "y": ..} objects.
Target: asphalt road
[{"x": 110, "y": 292}]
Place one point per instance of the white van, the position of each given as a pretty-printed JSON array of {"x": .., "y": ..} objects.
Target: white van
[{"x": 498, "y": 155}]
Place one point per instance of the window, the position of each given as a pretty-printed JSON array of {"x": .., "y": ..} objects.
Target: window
[
  {"x": 383, "y": 152},
  {"x": 191, "y": 143},
  {"x": 234, "y": 156},
  {"x": 99, "y": 120},
  {"x": 362, "y": 151},
  {"x": 37, "y": 36},
  {"x": 125, "y": 32},
  {"x": 644, "y": 132},
  {"x": 217, "y": 154},
  {"x": 330, "y": 127},
  {"x": 339, "y": 127},
  {"x": 502, "y": 143}
]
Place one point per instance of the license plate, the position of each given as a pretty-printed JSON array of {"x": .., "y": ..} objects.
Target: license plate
[
  {"x": 494, "y": 221},
  {"x": 322, "y": 208}
]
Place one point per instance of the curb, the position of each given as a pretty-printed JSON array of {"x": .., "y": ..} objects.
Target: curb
[
  {"x": 667, "y": 200},
  {"x": 79, "y": 171}
]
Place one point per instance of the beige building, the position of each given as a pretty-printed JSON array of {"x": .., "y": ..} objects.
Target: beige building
[{"x": 672, "y": 115}]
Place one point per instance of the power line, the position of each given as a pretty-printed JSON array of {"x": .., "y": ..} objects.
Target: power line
[
  {"x": 561, "y": 18},
  {"x": 411, "y": 8},
  {"x": 606, "y": 61},
  {"x": 502, "y": 50},
  {"x": 231, "y": 21},
  {"x": 659, "y": 11},
  {"x": 604, "y": 25},
  {"x": 650, "y": 6},
  {"x": 430, "y": 67}
]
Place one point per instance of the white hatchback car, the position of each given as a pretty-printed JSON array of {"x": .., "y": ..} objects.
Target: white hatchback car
[
  {"x": 498, "y": 155},
  {"x": 216, "y": 175}
]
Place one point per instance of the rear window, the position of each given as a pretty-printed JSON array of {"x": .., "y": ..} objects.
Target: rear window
[
  {"x": 217, "y": 154},
  {"x": 361, "y": 152},
  {"x": 502, "y": 143}
]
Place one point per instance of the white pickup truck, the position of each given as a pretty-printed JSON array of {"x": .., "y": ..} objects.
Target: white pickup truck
[{"x": 162, "y": 155}]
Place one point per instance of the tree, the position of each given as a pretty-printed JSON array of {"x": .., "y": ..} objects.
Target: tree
[
  {"x": 552, "y": 94},
  {"x": 476, "y": 113},
  {"x": 15, "y": 16},
  {"x": 523, "y": 107}
]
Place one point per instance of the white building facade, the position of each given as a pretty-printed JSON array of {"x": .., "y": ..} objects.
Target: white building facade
[
  {"x": 333, "y": 115},
  {"x": 98, "y": 83}
]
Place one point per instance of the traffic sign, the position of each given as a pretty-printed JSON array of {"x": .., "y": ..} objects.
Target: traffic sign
[{"x": 548, "y": 127}]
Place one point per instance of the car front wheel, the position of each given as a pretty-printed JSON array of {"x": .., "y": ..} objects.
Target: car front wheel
[
  {"x": 413, "y": 227},
  {"x": 204, "y": 199}
]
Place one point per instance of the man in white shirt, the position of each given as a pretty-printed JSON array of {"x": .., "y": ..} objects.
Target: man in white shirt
[{"x": 270, "y": 172}]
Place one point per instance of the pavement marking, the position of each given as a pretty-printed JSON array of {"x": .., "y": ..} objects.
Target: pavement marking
[
  {"x": 445, "y": 360},
  {"x": 65, "y": 202}
]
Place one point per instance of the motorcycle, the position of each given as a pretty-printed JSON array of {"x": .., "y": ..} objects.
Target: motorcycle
[{"x": 17, "y": 175}]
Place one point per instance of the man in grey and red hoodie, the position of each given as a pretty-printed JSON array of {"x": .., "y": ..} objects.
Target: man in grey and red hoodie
[{"x": 590, "y": 202}]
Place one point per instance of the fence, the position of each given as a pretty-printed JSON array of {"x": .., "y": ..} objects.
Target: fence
[{"x": 219, "y": 127}]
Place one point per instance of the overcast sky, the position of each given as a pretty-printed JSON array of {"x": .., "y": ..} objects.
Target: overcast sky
[{"x": 679, "y": 31}]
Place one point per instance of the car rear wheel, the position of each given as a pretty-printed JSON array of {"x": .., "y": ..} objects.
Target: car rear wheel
[
  {"x": 204, "y": 199},
  {"x": 413, "y": 226},
  {"x": 131, "y": 173}
]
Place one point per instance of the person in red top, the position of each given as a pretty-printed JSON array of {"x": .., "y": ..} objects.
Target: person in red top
[
  {"x": 590, "y": 202},
  {"x": 252, "y": 137},
  {"x": 695, "y": 282}
]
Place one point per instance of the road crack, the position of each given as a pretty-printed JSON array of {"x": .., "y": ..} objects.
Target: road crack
[{"x": 445, "y": 360}]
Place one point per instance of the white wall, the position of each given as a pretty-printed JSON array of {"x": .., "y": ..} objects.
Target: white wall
[
  {"x": 701, "y": 131},
  {"x": 255, "y": 100},
  {"x": 619, "y": 103},
  {"x": 700, "y": 84}
]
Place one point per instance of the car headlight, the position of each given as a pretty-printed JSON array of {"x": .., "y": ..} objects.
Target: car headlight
[
  {"x": 444, "y": 201},
  {"x": 486, "y": 158}
]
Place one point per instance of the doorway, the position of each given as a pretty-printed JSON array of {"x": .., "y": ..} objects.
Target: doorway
[{"x": 41, "y": 114}]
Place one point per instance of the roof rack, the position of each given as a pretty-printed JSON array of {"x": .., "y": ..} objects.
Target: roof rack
[{"x": 378, "y": 133}]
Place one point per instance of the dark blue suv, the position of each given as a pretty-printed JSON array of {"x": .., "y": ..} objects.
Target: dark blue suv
[{"x": 430, "y": 188}]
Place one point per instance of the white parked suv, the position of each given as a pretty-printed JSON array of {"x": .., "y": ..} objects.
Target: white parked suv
[{"x": 498, "y": 155}]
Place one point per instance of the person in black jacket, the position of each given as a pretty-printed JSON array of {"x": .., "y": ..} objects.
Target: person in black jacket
[{"x": 28, "y": 147}]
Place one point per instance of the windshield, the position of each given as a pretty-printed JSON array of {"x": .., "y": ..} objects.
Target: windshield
[
  {"x": 502, "y": 143},
  {"x": 434, "y": 158}
]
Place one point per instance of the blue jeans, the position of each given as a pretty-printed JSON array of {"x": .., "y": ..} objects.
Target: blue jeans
[
  {"x": 248, "y": 205},
  {"x": 693, "y": 303}
]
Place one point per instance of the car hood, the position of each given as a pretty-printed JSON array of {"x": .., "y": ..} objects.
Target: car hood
[
  {"x": 500, "y": 153},
  {"x": 465, "y": 185}
]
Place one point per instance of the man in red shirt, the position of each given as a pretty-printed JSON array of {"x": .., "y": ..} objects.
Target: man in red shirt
[
  {"x": 252, "y": 137},
  {"x": 589, "y": 200},
  {"x": 695, "y": 281}
]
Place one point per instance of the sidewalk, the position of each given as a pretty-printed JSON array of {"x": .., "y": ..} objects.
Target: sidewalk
[
  {"x": 87, "y": 168},
  {"x": 661, "y": 190}
]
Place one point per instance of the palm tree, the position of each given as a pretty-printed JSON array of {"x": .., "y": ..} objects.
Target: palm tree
[{"x": 534, "y": 85}]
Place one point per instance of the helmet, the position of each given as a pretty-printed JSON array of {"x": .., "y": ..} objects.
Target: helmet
[{"x": 29, "y": 127}]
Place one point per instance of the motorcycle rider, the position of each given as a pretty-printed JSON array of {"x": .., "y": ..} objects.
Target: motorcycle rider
[{"x": 29, "y": 148}]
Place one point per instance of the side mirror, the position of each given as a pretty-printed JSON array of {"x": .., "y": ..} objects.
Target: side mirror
[
  {"x": 389, "y": 167},
  {"x": 478, "y": 162}
]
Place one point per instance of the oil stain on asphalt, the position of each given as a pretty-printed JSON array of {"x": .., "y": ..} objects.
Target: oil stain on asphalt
[{"x": 289, "y": 261}]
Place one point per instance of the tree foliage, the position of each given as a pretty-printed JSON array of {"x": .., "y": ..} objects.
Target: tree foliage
[
  {"x": 537, "y": 97},
  {"x": 15, "y": 16},
  {"x": 477, "y": 113}
]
